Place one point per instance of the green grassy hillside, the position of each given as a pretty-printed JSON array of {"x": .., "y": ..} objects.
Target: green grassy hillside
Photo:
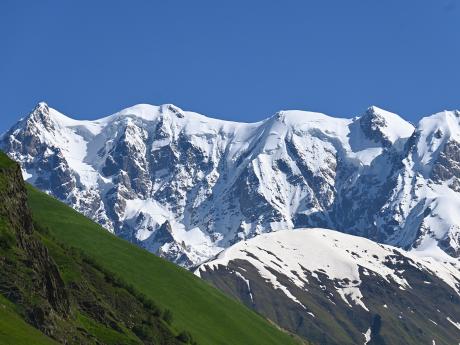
[
  {"x": 49, "y": 289},
  {"x": 14, "y": 330},
  {"x": 208, "y": 314}
]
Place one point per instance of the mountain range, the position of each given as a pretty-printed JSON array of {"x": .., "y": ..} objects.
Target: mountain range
[
  {"x": 185, "y": 186},
  {"x": 341, "y": 231}
]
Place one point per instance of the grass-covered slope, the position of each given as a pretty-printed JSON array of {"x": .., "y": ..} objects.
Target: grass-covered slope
[
  {"x": 51, "y": 290},
  {"x": 14, "y": 330},
  {"x": 208, "y": 314}
]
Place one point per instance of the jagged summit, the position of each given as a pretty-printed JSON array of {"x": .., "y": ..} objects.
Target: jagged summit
[
  {"x": 217, "y": 182},
  {"x": 444, "y": 125},
  {"x": 153, "y": 112},
  {"x": 382, "y": 125},
  {"x": 41, "y": 107}
]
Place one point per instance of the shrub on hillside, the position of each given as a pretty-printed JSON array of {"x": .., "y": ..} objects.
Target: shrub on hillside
[{"x": 168, "y": 316}]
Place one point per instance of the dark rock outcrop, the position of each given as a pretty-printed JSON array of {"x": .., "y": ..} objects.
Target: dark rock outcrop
[{"x": 43, "y": 278}]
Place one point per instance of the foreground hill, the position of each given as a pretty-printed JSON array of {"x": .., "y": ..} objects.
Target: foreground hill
[
  {"x": 76, "y": 283},
  {"x": 61, "y": 291},
  {"x": 340, "y": 289},
  {"x": 186, "y": 186}
]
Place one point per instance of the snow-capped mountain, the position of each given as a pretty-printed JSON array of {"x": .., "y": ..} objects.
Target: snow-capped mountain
[
  {"x": 186, "y": 186},
  {"x": 335, "y": 288}
]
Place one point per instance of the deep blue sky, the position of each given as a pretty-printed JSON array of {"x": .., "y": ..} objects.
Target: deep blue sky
[{"x": 239, "y": 60}]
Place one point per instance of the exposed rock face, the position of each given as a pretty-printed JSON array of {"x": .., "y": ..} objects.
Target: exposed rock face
[
  {"x": 46, "y": 284},
  {"x": 333, "y": 288},
  {"x": 54, "y": 173},
  {"x": 218, "y": 182},
  {"x": 447, "y": 166}
]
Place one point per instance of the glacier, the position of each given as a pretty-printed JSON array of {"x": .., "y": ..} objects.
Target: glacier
[{"x": 185, "y": 186}]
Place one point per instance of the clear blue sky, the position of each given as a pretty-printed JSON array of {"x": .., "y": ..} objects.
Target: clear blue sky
[{"x": 239, "y": 60}]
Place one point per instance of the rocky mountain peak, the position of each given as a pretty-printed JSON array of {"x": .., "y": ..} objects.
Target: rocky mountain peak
[
  {"x": 40, "y": 116},
  {"x": 383, "y": 126},
  {"x": 173, "y": 109},
  {"x": 42, "y": 107}
]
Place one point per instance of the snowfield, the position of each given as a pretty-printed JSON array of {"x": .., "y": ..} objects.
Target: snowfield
[{"x": 186, "y": 186}]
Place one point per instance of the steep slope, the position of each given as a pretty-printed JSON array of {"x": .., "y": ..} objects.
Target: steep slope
[
  {"x": 73, "y": 295},
  {"x": 423, "y": 208},
  {"x": 185, "y": 186},
  {"x": 341, "y": 289},
  {"x": 16, "y": 331},
  {"x": 211, "y": 317},
  {"x": 61, "y": 292}
]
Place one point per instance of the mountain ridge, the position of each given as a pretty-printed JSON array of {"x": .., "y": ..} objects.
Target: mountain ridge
[
  {"x": 216, "y": 182},
  {"x": 361, "y": 292}
]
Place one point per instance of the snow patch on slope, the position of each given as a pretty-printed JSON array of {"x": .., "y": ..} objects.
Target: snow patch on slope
[
  {"x": 319, "y": 251},
  {"x": 434, "y": 131}
]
